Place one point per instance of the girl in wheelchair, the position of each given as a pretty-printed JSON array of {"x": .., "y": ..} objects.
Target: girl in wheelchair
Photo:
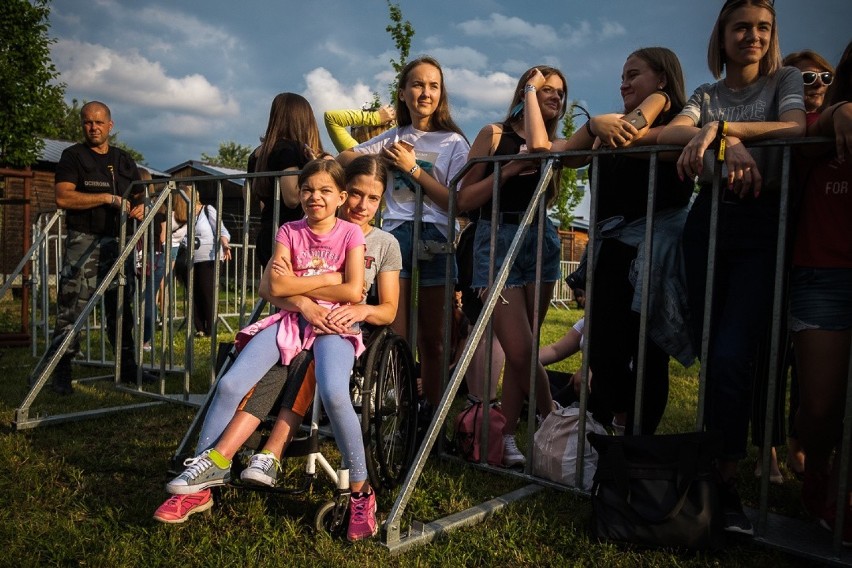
[{"x": 334, "y": 347}]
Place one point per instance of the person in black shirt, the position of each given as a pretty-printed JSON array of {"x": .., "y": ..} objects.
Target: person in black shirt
[{"x": 91, "y": 179}]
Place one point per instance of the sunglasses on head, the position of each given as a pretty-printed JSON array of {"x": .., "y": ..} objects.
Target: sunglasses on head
[{"x": 810, "y": 77}]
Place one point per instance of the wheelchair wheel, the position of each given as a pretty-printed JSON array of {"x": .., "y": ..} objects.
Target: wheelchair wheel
[
  {"x": 333, "y": 519},
  {"x": 392, "y": 421}
]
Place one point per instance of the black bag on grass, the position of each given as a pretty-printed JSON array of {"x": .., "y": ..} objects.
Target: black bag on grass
[{"x": 657, "y": 490}]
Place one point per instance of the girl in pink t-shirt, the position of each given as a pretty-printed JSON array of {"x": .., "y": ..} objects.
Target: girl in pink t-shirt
[{"x": 321, "y": 257}]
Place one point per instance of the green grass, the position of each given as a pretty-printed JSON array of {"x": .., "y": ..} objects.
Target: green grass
[{"x": 82, "y": 494}]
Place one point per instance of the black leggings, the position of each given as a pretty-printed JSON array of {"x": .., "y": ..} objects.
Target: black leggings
[
  {"x": 204, "y": 296},
  {"x": 614, "y": 343}
]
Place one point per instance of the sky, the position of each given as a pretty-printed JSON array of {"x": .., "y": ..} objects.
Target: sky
[{"x": 181, "y": 77}]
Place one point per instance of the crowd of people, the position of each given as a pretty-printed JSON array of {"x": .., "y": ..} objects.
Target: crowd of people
[{"x": 323, "y": 247}]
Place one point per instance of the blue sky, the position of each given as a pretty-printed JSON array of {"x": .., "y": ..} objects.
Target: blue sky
[{"x": 182, "y": 76}]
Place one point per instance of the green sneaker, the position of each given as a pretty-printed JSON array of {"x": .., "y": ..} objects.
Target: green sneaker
[{"x": 201, "y": 473}]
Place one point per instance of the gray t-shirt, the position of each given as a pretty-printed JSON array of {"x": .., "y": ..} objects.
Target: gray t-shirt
[
  {"x": 763, "y": 101},
  {"x": 382, "y": 255}
]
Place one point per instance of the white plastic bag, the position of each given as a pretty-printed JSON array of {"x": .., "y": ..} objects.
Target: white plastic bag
[{"x": 555, "y": 456}]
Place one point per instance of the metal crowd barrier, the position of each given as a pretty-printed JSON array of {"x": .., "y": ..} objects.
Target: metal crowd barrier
[
  {"x": 235, "y": 296},
  {"x": 798, "y": 537}
]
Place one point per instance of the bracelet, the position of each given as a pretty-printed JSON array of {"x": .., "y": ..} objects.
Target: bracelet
[
  {"x": 721, "y": 133},
  {"x": 529, "y": 89},
  {"x": 589, "y": 128},
  {"x": 113, "y": 201},
  {"x": 413, "y": 170}
]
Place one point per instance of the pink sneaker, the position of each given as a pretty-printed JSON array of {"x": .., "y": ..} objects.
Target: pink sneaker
[
  {"x": 178, "y": 508},
  {"x": 362, "y": 517}
]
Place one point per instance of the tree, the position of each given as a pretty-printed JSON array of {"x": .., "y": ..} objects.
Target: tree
[
  {"x": 401, "y": 32},
  {"x": 134, "y": 153},
  {"x": 231, "y": 155},
  {"x": 30, "y": 99},
  {"x": 67, "y": 125},
  {"x": 570, "y": 194}
]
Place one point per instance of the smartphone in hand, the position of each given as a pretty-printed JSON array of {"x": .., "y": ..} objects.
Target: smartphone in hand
[{"x": 636, "y": 118}]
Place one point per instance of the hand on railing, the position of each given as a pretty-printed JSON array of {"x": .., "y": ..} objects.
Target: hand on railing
[
  {"x": 743, "y": 175},
  {"x": 691, "y": 161}
]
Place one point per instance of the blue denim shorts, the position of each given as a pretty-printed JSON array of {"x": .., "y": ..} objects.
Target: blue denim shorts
[
  {"x": 432, "y": 272},
  {"x": 821, "y": 298},
  {"x": 523, "y": 271}
]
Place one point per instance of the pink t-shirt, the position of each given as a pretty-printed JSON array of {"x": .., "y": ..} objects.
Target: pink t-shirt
[{"x": 313, "y": 254}]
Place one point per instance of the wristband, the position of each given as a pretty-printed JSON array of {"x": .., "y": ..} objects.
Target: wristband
[
  {"x": 721, "y": 133},
  {"x": 589, "y": 129},
  {"x": 529, "y": 89},
  {"x": 413, "y": 170}
]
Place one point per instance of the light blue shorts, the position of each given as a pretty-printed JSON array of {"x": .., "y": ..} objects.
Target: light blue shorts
[
  {"x": 523, "y": 270},
  {"x": 432, "y": 272}
]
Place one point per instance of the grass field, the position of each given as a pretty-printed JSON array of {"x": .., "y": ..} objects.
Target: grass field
[{"x": 82, "y": 494}]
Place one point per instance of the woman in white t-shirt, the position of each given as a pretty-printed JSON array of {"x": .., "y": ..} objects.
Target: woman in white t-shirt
[
  {"x": 426, "y": 148},
  {"x": 207, "y": 251}
]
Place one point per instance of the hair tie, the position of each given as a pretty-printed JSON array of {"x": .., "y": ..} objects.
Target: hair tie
[{"x": 517, "y": 110}]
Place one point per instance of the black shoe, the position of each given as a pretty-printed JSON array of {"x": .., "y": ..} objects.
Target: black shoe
[
  {"x": 147, "y": 378},
  {"x": 63, "y": 389},
  {"x": 62, "y": 376},
  {"x": 734, "y": 518}
]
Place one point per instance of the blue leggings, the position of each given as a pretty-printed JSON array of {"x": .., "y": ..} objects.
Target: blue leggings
[
  {"x": 334, "y": 357},
  {"x": 259, "y": 355}
]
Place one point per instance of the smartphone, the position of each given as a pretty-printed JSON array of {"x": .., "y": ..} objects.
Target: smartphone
[
  {"x": 636, "y": 118},
  {"x": 407, "y": 144}
]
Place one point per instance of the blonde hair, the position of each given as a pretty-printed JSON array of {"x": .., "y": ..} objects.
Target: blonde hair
[{"x": 180, "y": 206}]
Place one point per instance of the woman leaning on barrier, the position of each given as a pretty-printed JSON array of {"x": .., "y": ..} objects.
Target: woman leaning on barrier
[
  {"x": 513, "y": 313},
  {"x": 821, "y": 299},
  {"x": 756, "y": 99},
  {"x": 652, "y": 91}
]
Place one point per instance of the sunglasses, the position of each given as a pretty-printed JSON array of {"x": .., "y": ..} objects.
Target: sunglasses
[{"x": 810, "y": 77}]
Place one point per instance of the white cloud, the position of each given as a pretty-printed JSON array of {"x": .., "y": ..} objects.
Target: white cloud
[
  {"x": 490, "y": 91},
  {"x": 460, "y": 56},
  {"x": 96, "y": 71},
  {"x": 503, "y": 29},
  {"x": 327, "y": 93},
  {"x": 184, "y": 29},
  {"x": 612, "y": 29},
  {"x": 540, "y": 36}
]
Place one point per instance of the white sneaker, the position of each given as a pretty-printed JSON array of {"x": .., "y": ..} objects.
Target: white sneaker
[
  {"x": 262, "y": 470},
  {"x": 512, "y": 456}
]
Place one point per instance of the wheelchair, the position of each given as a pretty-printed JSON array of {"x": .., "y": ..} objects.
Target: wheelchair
[{"x": 384, "y": 395}]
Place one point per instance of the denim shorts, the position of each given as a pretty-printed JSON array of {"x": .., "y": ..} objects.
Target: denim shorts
[
  {"x": 523, "y": 270},
  {"x": 821, "y": 298},
  {"x": 432, "y": 272}
]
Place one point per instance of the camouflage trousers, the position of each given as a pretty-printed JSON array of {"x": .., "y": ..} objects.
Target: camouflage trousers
[{"x": 87, "y": 260}]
